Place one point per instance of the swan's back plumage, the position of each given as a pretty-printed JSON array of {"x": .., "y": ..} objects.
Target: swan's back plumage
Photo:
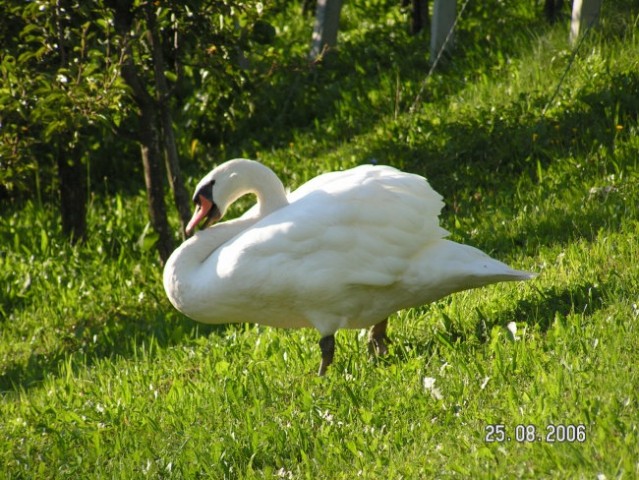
[
  {"x": 349, "y": 249},
  {"x": 359, "y": 227}
]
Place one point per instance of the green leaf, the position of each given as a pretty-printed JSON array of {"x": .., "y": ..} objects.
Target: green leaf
[{"x": 170, "y": 76}]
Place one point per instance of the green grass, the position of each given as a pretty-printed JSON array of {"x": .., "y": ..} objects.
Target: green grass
[{"x": 101, "y": 378}]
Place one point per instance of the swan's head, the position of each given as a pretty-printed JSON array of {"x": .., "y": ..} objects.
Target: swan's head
[
  {"x": 216, "y": 191},
  {"x": 228, "y": 182}
]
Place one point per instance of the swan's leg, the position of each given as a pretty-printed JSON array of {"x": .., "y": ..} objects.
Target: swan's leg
[
  {"x": 377, "y": 338},
  {"x": 327, "y": 345}
]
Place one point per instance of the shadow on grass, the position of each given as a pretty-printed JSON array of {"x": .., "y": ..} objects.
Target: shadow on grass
[
  {"x": 383, "y": 61},
  {"x": 540, "y": 312},
  {"x": 488, "y": 154},
  {"x": 585, "y": 298},
  {"x": 124, "y": 335},
  {"x": 493, "y": 148},
  {"x": 96, "y": 339}
]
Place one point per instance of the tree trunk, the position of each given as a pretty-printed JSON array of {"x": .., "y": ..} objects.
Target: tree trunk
[
  {"x": 180, "y": 195},
  {"x": 153, "y": 175},
  {"x": 584, "y": 16},
  {"x": 419, "y": 16},
  {"x": 73, "y": 188},
  {"x": 73, "y": 195},
  {"x": 326, "y": 26},
  {"x": 441, "y": 33},
  {"x": 552, "y": 9},
  {"x": 149, "y": 131},
  {"x": 151, "y": 148}
]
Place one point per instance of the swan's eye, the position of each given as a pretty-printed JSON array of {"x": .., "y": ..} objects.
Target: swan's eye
[{"x": 206, "y": 190}]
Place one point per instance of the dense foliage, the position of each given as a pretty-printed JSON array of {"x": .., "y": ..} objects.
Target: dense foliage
[{"x": 63, "y": 94}]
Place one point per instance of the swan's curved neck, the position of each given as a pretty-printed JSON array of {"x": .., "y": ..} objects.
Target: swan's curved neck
[
  {"x": 187, "y": 270},
  {"x": 253, "y": 177}
]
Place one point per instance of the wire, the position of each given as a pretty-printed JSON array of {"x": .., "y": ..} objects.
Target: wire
[
  {"x": 569, "y": 66},
  {"x": 438, "y": 57}
]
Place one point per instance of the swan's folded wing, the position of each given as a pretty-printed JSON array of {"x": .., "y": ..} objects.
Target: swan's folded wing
[{"x": 361, "y": 227}]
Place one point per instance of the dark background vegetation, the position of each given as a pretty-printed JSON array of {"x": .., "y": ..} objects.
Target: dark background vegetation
[{"x": 89, "y": 89}]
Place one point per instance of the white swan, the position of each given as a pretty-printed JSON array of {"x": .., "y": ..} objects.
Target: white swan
[{"x": 345, "y": 250}]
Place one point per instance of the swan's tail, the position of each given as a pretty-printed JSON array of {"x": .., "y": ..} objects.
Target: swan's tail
[
  {"x": 475, "y": 264},
  {"x": 449, "y": 267},
  {"x": 509, "y": 275}
]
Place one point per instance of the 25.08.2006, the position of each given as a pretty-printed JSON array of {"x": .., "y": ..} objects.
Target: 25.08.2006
[{"x": 559, "y": 433}]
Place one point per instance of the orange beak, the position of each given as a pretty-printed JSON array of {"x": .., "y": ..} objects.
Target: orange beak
[{"x": 202, "y": 210}]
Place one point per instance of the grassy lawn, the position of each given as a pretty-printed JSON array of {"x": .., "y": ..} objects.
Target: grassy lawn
[{"x": 101, "y": 378}]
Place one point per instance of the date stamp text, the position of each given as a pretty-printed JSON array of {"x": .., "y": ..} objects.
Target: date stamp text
[{"x": 560, "y": 433}]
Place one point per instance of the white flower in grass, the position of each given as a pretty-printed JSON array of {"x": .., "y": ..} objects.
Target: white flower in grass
[
  {"x": 327, "y": 417},
  {"x": 512, "y": 328},
  {"x": 429, "y": 386},
  {"x": 283, "y": 473}
]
